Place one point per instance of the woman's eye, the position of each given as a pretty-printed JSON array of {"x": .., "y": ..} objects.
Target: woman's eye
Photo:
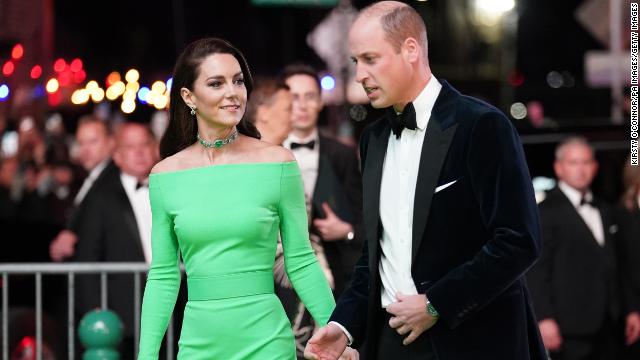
[
  {"x": 239, "y": 82},
  {"x": 215, "y": 84}
]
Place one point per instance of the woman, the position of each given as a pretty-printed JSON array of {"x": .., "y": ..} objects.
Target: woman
[
  {"x": 220, "y": 197},
  {"x": 629, "y": 252}
]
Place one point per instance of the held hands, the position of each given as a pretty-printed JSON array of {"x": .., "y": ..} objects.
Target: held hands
[
  {"x": 332, "y": 228},
  {"x": 410, "y": 316},
  {"x": 328, "y": 343},
  {"x": 550, "y": 332}
]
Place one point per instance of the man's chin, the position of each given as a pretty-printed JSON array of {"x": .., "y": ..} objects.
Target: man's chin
[{"x": 379, "y": 104}]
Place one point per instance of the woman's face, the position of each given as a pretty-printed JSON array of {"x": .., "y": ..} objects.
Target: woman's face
[{"x": 219, "y": 93}]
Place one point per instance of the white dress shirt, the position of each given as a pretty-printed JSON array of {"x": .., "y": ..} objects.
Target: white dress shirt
[
  {"x": 89, "y": 180},
  {"x": 590, "y": 215},
  {"x": 308, "y": 160},
  {"x": 141, "y": 205},
  {"x": 397, "y": 194}
]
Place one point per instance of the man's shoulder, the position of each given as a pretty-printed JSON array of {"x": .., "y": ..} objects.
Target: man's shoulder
[
  {"x": 473, "y": 108},
  {"x": 552, "y": 201},
  {"x": 335, "y": 145}
]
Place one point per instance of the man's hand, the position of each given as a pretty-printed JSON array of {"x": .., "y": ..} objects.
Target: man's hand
[
  {"x": 632, "y": 328},
  {"x": 326, "y": 344},
  {"x": 410, "y": 316},
  {"x": 550, "y": 332},
  {"x": 63, "y": 246},
  {"x": 332, "y": 228},
  {"x": 350, "y": 354}
]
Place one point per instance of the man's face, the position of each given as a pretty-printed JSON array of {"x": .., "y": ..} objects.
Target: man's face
[
  {"x": 135, "y": 152},
  {"x": 383, "y": 72},
  {"x": 576, "y": 166},
  {"x": 277, "y": 114},
  {"x": 307, "y": 102},
  {"x": 94, "y": 145}
]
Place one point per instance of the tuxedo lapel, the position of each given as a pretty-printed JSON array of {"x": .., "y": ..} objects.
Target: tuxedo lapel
[
  {"x": 371, "y": 180},
  {"x": 439, "y": 134},
  {"x": 581, "y": 225},
  {"x": 129, "y": 219}
]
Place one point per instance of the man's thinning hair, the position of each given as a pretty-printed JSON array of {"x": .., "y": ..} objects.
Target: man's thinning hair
[
  {"x": 92, "y": 119},
  {"x": 399, "y": 21},
  {"x": 264, "y": 91},
  {"x": 120, "y": 131},
  {"x": 571, "y": 141}
]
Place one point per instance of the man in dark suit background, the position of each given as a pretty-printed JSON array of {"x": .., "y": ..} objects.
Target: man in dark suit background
[
  {"x": 575, "y": 284},
  {"x": 449, "y": 210},
  {"x": 95, "y": 145},
  {"x": 115, "y": 226},
  {"x": 330, "y": 174}
]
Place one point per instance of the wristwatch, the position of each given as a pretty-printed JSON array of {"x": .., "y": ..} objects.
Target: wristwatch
[{"x": 431, "y": 310}]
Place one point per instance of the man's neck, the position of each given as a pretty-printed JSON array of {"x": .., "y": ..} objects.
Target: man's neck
[
  {"x": 270, "y": 138},
  {"x": 423, "y": 79},
  {"x": 303, "y": 133}
]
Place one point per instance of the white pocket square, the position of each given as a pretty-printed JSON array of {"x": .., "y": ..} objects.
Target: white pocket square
[{"x": 442, "y": 187}]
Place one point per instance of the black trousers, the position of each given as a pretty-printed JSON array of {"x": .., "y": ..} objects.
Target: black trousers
[
  {"x": 390, "y": 343},
  {"x": 600, "y": 346}
]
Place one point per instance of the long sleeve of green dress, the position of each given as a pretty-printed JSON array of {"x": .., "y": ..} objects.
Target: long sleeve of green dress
[
  {"x": 163, "y": 279},
  {"x": 301, "y": 263}
]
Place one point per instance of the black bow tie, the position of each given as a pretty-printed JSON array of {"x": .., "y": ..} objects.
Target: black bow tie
[
  {"x": 140, "y": 185},
  {"x": 310, "y": 145},
  {"x": 584, "y": 201},
  {"x": 407, "y": 119}
]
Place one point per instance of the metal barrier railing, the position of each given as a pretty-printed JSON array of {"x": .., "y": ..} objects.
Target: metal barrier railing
[{"x": 71, "y": 269}]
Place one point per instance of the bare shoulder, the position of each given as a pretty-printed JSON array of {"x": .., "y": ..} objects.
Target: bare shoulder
[
  {"x": 171, "y": 163},
  {"x": 165, "y": 165},
  {"x": 256, "y": 150},
  {"x": 276, "y": 153}
]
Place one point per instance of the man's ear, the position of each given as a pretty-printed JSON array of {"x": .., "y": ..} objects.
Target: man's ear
[
  {"x": 411, "y": 50},
  {"x": 262, "y": 114}
]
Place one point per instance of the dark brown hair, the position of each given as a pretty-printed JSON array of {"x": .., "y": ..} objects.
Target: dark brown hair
[
  {"x": 182, "y": 128},
  {"x": 301, "y": 69}
]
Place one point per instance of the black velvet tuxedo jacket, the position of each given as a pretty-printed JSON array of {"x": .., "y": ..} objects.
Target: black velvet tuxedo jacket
[{"x": 472, "y": 241}]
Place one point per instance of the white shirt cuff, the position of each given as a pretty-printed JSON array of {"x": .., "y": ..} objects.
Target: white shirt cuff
[{"x": 344, "y": 330}]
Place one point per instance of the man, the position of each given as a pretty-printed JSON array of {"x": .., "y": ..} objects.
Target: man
[
  {"x": 449, "y": 209},
  {"x": 574, "y": 286},
  {"x": 94, "y": 152},
  {"x": 115, "y": 226},
  {"x": 330, "y": 175},
  {"x": 269, "y": 109}
]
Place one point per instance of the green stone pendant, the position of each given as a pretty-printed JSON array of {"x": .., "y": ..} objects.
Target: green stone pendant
[{"x": 219, "y": 142}]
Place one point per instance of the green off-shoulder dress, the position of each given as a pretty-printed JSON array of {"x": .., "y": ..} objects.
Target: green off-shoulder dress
[{"x": 225, "y": 220}]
